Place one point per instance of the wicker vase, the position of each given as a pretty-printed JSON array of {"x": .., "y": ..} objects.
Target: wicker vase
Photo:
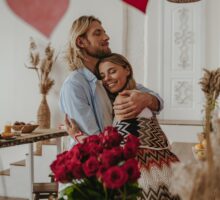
[
  {"x": 43, "y": 120},
  {"x": 43, "y": 114}
]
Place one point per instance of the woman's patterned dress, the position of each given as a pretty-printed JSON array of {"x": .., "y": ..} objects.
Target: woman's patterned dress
[{"x": 154, "y": 156}]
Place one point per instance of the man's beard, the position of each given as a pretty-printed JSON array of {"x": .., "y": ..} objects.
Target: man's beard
[{"x": 99, "y": 53}]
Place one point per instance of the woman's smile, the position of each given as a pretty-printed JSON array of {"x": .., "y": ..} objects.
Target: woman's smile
[{"x": 111, "y": 84}]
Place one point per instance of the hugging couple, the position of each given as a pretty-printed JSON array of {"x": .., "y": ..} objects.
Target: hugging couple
[{"x": 101, "y": 91}]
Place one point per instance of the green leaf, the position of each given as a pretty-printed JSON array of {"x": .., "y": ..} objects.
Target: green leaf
[
  {"x": 95, "y": 195},
  {"x": 133, "y": 190},
  {"x": 92, "y": 189},
  {"x": 68, "y": 190}
]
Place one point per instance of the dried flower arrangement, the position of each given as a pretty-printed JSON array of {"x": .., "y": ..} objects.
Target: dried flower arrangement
[
  {"x": 210, "y": 85},
  {"x": 43, "y": 68},
  {"x": 200, "y": 180}
]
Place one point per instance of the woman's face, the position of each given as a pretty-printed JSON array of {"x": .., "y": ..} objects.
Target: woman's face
[{"x": 113, "y": 76}]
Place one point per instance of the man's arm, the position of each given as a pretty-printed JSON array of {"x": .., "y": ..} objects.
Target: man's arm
[
  {"x": 74, "y": 103},
  {"x": 143, "y": 89},
  {"x": 132, "y": 102}
]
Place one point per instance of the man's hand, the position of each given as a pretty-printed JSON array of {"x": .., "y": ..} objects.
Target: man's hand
[
  {"x": 129, "y": 103},
  {"x": 73, "y": 130},
  {"x": 71, "y": 126}
]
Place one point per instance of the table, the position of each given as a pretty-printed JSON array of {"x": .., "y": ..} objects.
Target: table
[{"x": 30, "y": 138}]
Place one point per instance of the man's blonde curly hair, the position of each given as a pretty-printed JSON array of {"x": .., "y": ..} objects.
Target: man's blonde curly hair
[{"x": 79, "y": 28}]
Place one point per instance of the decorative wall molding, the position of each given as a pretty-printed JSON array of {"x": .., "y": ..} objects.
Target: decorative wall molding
[
  {"x": 183, "y": 60},
  {"x": 183, "y": 39},
  {"x": 182, "y": 93}
]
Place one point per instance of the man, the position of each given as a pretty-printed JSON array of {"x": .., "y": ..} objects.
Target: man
[{"x": 83, "y": 97}]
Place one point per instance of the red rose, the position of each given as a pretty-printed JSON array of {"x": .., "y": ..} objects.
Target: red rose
[
  {"x": 62, "y": 156},
  {"x": 75, "y": 153},
  {"x": 93, "y": 149},
  {"x": 117, "y": 152},
  {"x": 132, "y": 169},
  {"x": 130, "y": 150},
  {"x": 60, "y": 161},
  {"x": 71, "y": 162},
  {"x": 107, "y": 158},
  {"x": 83, "y": 150},
  {"x": 91, "y": 166},
  {"x": 102, "y": 169},
  {"x": 58, "y": 167},
  {"x": 133, "y": 139},
  {"x": 77, "y": 170},
  {"x": 112, "y": 156},
  {"x": 115, "y": 177},
  {"x": 92, "y": 139},
  {"x": 110, "y": 137},
  {"x": 61, "y": 175}
]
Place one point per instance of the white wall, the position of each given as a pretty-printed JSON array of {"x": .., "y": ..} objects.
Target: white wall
[
  {"x": 212, "y": 34},
  {"x": 135, "y": 42},
  {"x": 153, "y": 45}
]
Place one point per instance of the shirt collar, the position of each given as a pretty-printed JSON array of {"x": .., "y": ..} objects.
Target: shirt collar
[{"x": 87, "y": 74}]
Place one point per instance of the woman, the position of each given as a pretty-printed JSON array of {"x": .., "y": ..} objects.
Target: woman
[{"x": 154, "y": 154}]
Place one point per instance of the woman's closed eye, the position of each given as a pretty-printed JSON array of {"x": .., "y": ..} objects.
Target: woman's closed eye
[{"x": 112, "y": 71}]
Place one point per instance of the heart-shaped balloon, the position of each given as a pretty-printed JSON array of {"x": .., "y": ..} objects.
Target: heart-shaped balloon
[
  {"x": 139, "y": 4},
  {"x": 42, "y": 15}
]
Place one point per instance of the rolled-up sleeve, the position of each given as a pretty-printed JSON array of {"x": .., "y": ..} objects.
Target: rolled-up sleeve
[
  {"x": 144, "y": 89},
  {"x": 74, "y": 102}
]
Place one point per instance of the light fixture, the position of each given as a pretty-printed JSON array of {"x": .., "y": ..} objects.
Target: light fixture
[{"x": 183, "y": 1}]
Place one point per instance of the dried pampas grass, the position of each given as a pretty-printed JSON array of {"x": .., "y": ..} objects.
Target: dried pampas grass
[
  {"x": 210, "y": 85},
  {"x": 194, "y": 181},
  {"x": 42, "y": 66},
  {"x": 182, "y": 179}
]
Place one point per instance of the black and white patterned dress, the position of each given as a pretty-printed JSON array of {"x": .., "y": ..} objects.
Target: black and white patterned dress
[{"x": 154, "y": 156}]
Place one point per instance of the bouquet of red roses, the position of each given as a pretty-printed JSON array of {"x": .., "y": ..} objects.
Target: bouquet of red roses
[{"x": 100, "y": 168}]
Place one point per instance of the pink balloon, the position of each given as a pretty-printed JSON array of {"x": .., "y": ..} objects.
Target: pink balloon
[{"x": 42, "y": 15}]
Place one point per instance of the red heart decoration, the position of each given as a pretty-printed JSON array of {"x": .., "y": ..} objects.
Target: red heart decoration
[
  {"x": 139, "y": 4},
  {"x": 42, "y": 15}
]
